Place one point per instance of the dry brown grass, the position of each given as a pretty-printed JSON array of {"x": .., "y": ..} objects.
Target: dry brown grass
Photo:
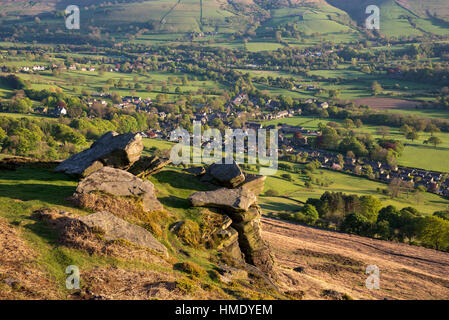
[
  {"x": 327, "y": 260},
  {"x": 20, "y": 276},
  {"x": 114, "y": 283}
]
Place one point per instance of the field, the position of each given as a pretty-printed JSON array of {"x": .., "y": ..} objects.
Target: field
[
  {"x": 387, "y": 103},
  {"x": 416, "y": 154},
  {"x": 74, "y": 82},
  {"x": 355, "y": 86},
  {"x": 296, "y": 192}
]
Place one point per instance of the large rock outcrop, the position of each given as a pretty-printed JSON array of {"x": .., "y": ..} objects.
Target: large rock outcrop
[
  {"x": 78, "y": 231},
  {"x": 240, "y": 205},
  {"x": 114, "y": 228},
  {"x": 112, "y": 149},
  {"x": 147, "y": 166},
  {"x": 225, "y": 175},
  {"x": 251, "y": 243},
  {"x": 127, "y": 191},
  {"x": 254, "y": 183},
  {"x": 234, "y": 200}
]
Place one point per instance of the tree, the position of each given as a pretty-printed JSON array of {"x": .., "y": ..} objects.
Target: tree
[
  {"x": 434, "y": 232},
  {"x": 383, "y": 131},
  {"x": 370, "y": 207},
  {"x": 431, "y": 128},
  {"x": 334, "y": 93},
  {"x": 412, "y": 135},
  {"x": 310, "y": 211},
  {"x": 2, "y": 137},
  {"x": 21, "y": 105},
  {"x": 376, "y": 88},
  {"x": 357, "y": 224},
  {"x": 391, "y": 215},
  {"x": 358, "y": 123},
  {"x": 433, "y": 140},
  {"x": 308, "y": 214},
  {"x": 441, "y": 214},
  {"x": 116, "y": 98},
  {"x": 348, "y": 123}
]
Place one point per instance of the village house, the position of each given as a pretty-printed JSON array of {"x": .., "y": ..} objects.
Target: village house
[{"x": 324, "y": 105}]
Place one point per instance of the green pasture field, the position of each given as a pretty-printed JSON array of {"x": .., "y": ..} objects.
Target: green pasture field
[
  {"x": 93, "y": 82},
  {"x": 415, "y": 154},
  {"x": 263, "y": 46},
  {"x": 28, "y": 116},
  {"x": 338, "y": 182}
]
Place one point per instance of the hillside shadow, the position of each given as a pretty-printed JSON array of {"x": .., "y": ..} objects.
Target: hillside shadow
[
  {"x": 44, "y": 231},
  {"x": 40, "y": 174},
  {"x": 180, "y": 180},
  {"x": 49, "y": 193},
  {"x": 175, "y": 202},
  {"x": 426, "y": 146}
]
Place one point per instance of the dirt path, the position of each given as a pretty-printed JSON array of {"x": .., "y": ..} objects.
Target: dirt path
[{"x": 331, "y": 260}]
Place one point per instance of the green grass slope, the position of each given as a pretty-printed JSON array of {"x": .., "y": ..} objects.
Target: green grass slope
[{"x": 401, "y": 18}]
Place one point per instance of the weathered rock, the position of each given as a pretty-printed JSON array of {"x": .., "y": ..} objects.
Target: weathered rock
[
  {"x": 228, "y": 274},
  {"x": 196, "y": 171},
  {"x": 226, "y": 175},
  {"x": 147, "y": 166},
  {"x": 245, "y": 216},
  {"x": 234, "y": 200},
  {"x": 256, "y": 251},
  {"x": 119, "y": 183},
  {"x": 332, "y": 294},
  {"x": 115, "y": 228},
  {"x": 112, "y": 149},
  {"x": 254, "y": 183},
  {"x": 12, "y": 282},
  {"x": 229, "y": 243}
]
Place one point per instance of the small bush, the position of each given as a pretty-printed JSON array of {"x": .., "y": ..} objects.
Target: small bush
[
  {"x": 191, "y": 268},
  {"x": 185, "y": 285},
  {"x": 271, "y": 193},
  {"x": 189, "y": 233}
]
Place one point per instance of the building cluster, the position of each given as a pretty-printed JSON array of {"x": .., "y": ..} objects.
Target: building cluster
[{"x": 435, "y": 182}]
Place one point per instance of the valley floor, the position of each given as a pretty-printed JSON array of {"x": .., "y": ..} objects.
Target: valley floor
[{"x": 328, "y": 260}]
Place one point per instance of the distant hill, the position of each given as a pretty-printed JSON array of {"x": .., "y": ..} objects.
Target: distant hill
[
  {"x": 398, "y": 17},
  {"x": 402, "y": 17}
]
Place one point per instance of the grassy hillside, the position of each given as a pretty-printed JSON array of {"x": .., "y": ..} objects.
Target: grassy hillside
[
  {"x": 402, "y": 17},
  {"x": 29, "y": 188},
  {"x": 332, "y": 19},
  {"x": 318, "y": 260}
]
